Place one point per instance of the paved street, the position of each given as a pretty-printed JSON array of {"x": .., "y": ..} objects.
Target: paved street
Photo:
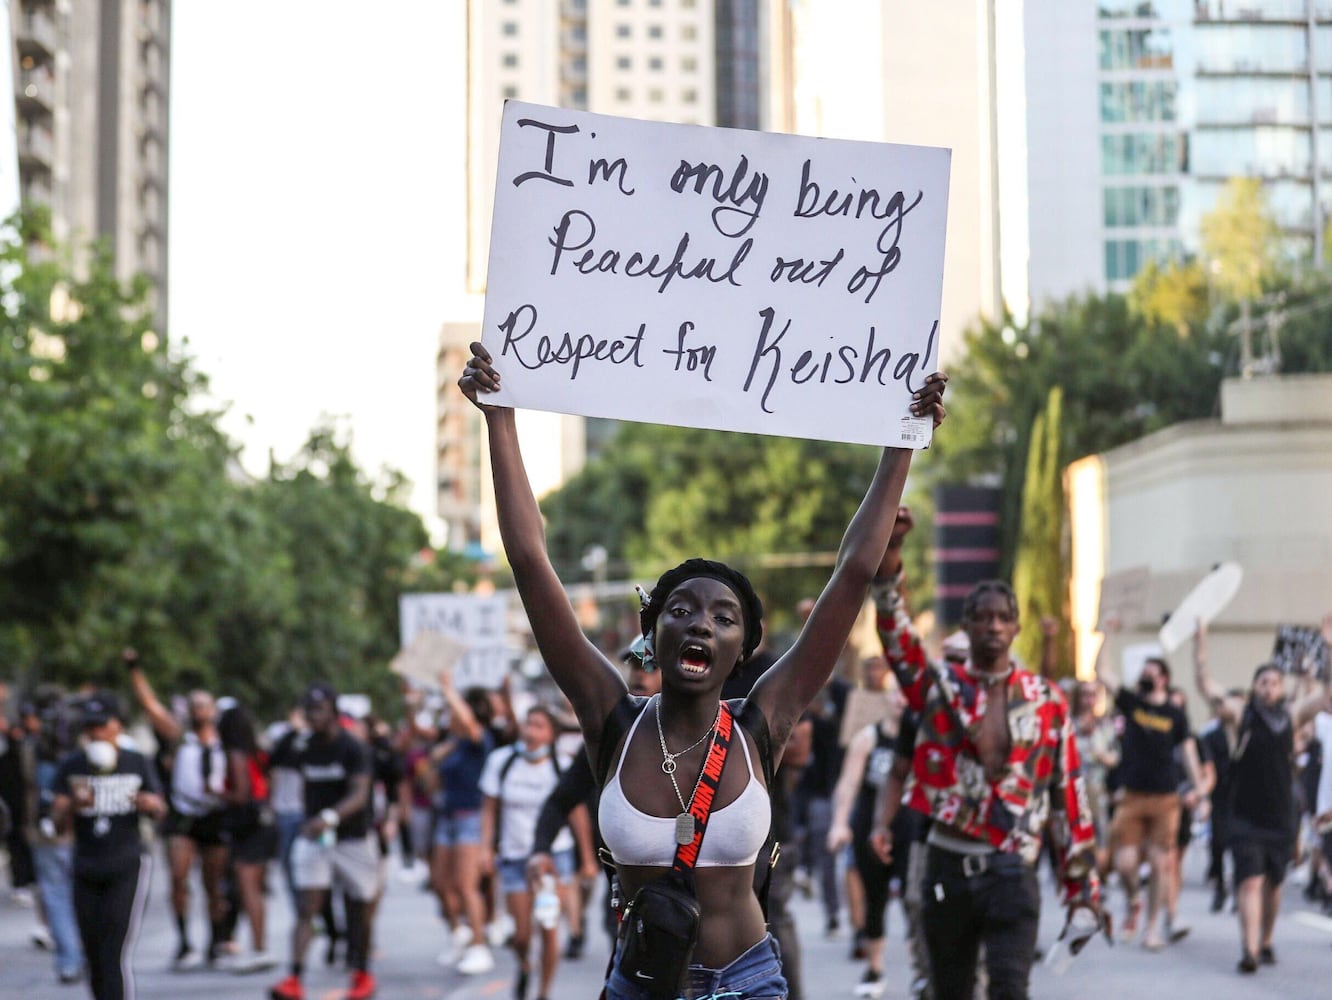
[{"x": 409, "y": 937}]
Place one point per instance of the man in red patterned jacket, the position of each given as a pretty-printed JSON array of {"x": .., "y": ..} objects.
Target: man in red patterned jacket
[{"x": 995, "y": 760}]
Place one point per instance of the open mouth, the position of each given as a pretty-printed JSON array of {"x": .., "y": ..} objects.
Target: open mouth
[{"x": 695, "y": 659}]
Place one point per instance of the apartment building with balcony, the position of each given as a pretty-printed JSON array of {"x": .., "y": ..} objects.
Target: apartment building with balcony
[{"x": 91, "y": 93}]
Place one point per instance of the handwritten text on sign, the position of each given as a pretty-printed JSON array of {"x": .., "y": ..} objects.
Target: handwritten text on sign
[
  {"x": 476, "y": 621},
  {"x": 715, "y": 277}
]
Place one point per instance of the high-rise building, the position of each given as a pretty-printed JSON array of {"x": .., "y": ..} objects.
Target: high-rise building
[
  {"x": 693, "y": 62},
  {"x": 91, "y": 89},
  {"x": 1136, "y": 114}
]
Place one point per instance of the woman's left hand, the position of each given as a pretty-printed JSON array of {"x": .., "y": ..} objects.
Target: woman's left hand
[{"x": 929, "y": 400}]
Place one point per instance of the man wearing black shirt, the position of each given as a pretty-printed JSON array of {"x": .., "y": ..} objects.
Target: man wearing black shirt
[
  {"x": 101, "y": 790},
  {"x": 334, "y": 842},
  {"x": 1148, "y": 813},
  {"x": 1262, "y": 808}
]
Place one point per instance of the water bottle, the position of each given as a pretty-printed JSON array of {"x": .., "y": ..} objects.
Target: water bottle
[{"x": 546, "y": 908}]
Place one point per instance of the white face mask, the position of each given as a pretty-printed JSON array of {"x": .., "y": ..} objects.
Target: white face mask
[{"x": 102, "y": 755}]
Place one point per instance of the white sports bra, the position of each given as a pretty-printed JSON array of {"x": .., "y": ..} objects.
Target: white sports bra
[{"x": 735, "y": 832}]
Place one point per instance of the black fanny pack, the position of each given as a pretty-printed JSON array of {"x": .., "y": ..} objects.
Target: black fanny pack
[
  {"x": 660, "y": 930},
  {"x": 660, "y": 925}
]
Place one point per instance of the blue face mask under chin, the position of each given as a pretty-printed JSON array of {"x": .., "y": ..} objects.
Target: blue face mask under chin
[{"x": 532, "y": 753}]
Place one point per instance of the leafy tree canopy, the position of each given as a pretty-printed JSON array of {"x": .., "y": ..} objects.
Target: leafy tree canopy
[{"x": 125, "y": 517}]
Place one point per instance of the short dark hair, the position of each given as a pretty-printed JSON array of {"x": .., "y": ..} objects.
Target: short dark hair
[
  {"x": 544, "y": 710},
  {"x": 1264, "y": 668},
  {"x": 1161, "y": 665},
  {"x": 999, "y": 587},
  {"x": 478, "y": 700},
  {"x": 692, "y": 569}
]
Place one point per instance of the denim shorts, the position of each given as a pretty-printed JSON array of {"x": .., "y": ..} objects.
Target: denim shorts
[
  {"x": 513, "y": 874},
  {"x": 461, "y": 829},
  {"x": 755, "y": 975}
]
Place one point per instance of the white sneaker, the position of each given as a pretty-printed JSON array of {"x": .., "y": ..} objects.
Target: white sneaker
[
  {"x": 23, "y": 898},
  {"x": 187, "y": 960},
  {"x": 461, "y": 937},
  {"x": 499, "y": 931},
  {"x": 41, "y": 938},
  {"x": 871, "y": 986},
  {"x": 476, "y": 960},
  {"x": 254, "y": 961}
]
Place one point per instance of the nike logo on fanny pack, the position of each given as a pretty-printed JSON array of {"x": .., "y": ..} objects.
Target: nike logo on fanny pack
[{"x": 642, "y": 975}]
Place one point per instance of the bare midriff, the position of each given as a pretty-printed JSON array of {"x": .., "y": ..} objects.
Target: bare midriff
[{"x": 732, "y": 920}]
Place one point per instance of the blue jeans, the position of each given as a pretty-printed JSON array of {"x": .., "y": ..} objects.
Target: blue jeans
[
  {"x": 55, "y": 881},
  {"x": 755, "y": 975}
]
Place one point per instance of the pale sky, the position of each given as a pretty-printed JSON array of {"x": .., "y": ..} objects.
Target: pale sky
[{"x": 317, "y": 155}]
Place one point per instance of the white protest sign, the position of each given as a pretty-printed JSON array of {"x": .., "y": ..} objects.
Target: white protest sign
[
  {"x": 475, "y": 621},
  {"x": 719, "y": 278}
]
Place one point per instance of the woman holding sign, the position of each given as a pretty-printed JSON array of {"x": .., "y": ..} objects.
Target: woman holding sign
[{"x": 692, "y": 924}]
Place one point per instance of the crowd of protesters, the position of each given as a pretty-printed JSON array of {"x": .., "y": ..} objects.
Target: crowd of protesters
[{"x": 494, "y": 812}]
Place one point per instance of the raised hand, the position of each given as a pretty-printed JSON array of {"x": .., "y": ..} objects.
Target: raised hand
[
  {"x": 929, "y": 400},
  {"x": 479, "y": 376}
]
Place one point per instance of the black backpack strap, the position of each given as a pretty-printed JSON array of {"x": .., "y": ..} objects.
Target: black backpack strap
[
  {"x": 755, "y": 722},
  {"x": 621, "y": 718}
]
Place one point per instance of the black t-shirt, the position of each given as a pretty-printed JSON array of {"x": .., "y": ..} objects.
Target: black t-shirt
[
  {"x": 106, "y": 834},
  {"x": 1213, "y": 743},
  {"x": 742, "y": 680},
  {"x": 819, "y": 777},
  {"x": 1262, "y": 799},
  {"x": 328, "y": 767},
  {"x": 1151, "y": 733}
]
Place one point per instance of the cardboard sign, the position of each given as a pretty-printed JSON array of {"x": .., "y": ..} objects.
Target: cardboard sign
[
  {"x": 1124, "y": 598},
  {"x": 718, "y": 278},
  {"x": 429, "y": 653},
  {"x": 863, "y": 708},
  {"x": 473, "y": 626},
  {"x": 1300, "y": 649}
]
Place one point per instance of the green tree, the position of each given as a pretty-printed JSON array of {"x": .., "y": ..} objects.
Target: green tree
[
  {"x": 1040, "y": 575},
  {"x": 1240, "y": 241},
  {"x": 125, "y": 517},
  {"x": 774, "y": 507},
  {"x": 1121, "y": 377},
  {"x": 1172, "y": 294}
]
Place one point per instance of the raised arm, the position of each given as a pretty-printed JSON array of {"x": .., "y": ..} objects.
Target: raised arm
[
  {"x": 788, "y": 687},
  {"x": 1107, "y": 675},
  {"x": 587, "y": 678},
  {"x": 1320, "y": 698},
  {"x": 1224, "y": 707},
  {"x": 461, "y": 712},
  {"x": 163, "y": 722},
  {"x": 901, "y": 643}
]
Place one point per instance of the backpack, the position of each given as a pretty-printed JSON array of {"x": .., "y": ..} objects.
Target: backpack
[{"x": 504, "y": 770}]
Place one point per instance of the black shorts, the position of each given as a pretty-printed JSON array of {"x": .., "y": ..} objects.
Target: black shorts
[
  {"x": 205, "y": 830},
  {"x": 1254, "y": 857},
  {"x": 255, "y": 846}
]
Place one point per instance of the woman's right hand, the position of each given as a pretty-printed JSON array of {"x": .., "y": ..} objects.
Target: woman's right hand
[{"x": 479, "y": 376}]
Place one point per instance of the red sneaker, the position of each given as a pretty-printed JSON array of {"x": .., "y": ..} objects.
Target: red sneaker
[
  {"x": 362, "y": 986},
  {"x": 289, "y": 989}
]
